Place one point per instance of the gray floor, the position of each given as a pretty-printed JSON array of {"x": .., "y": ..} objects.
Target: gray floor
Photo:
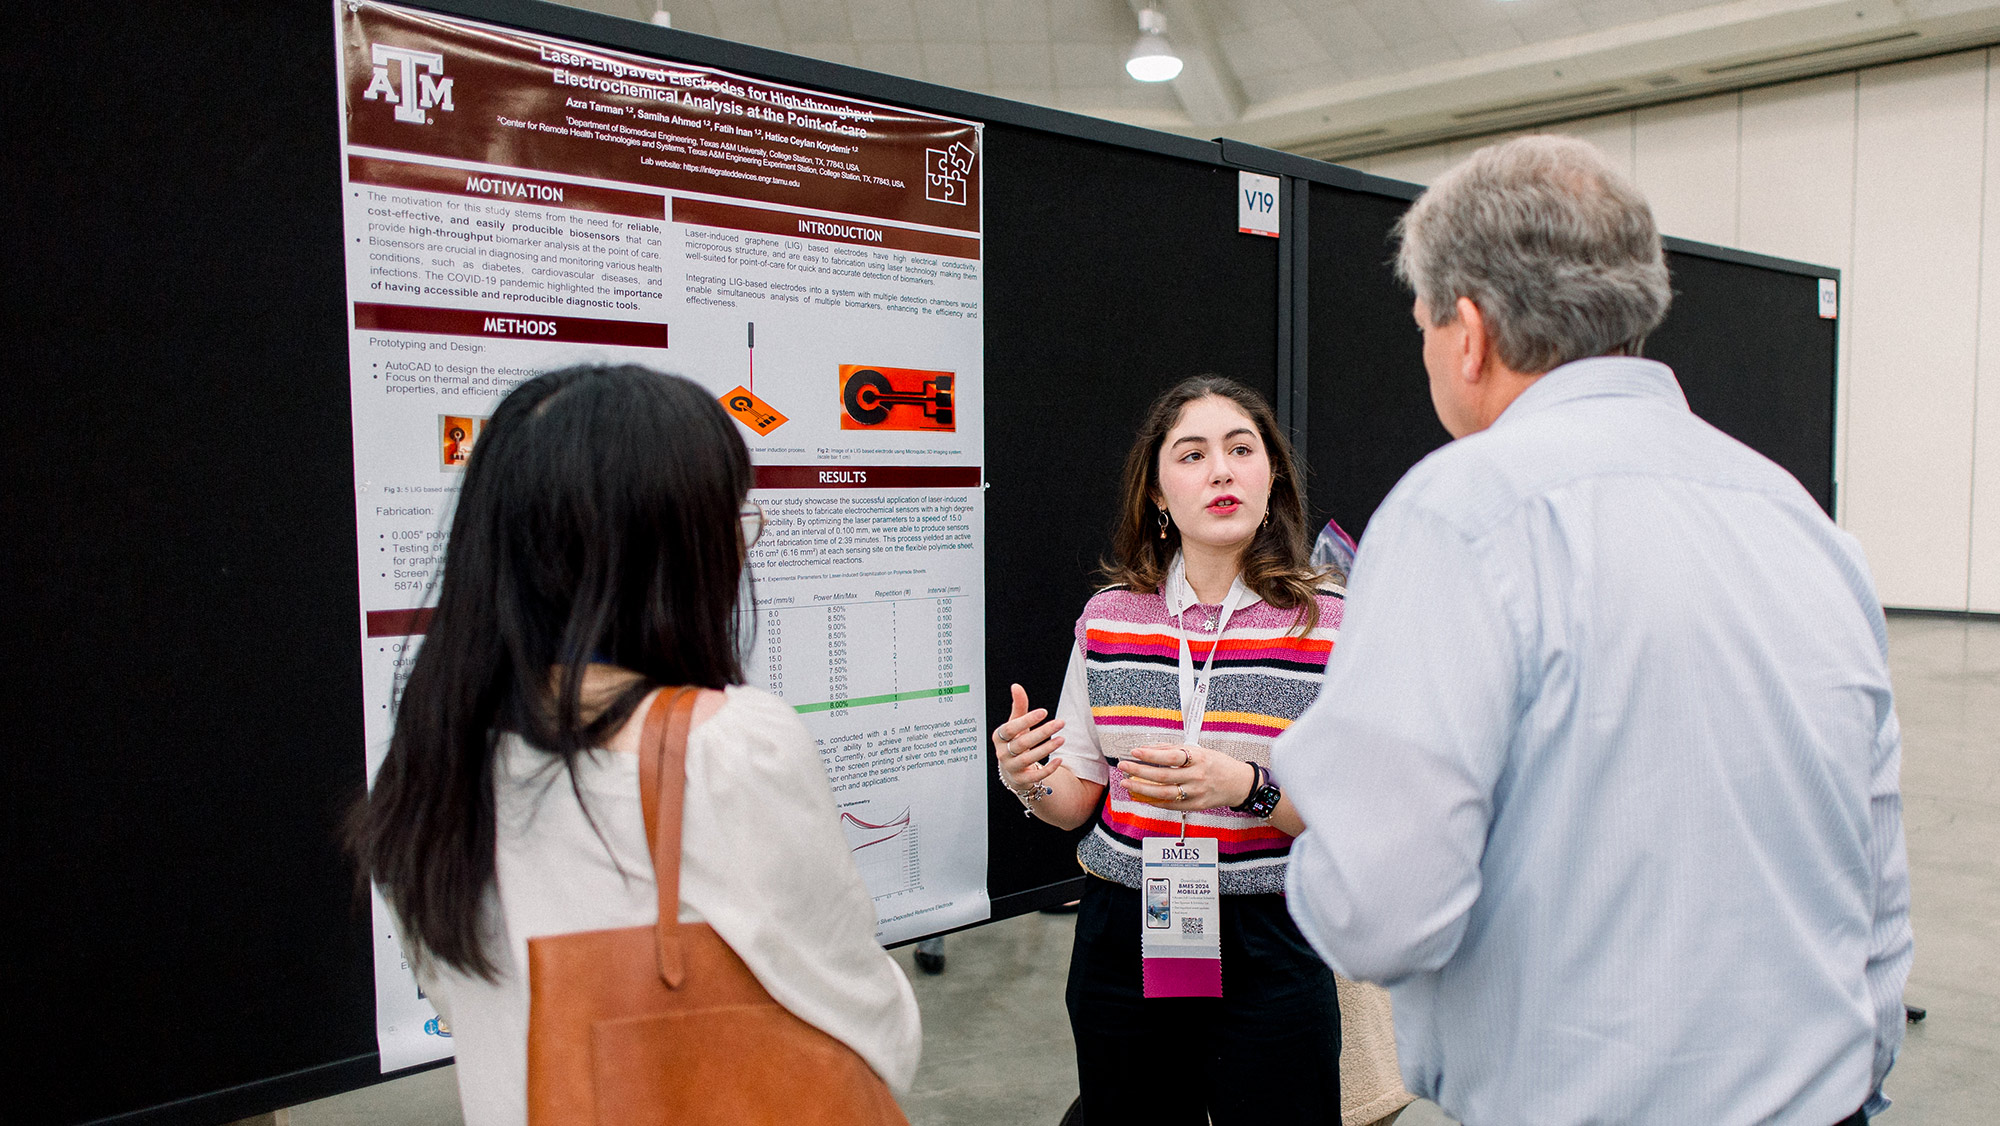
[{"x": 996, "y": 1041}]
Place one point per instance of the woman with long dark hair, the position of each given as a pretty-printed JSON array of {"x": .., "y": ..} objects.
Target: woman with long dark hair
[
  {"x": 1211, "y": 600},
  {"x": 596, "y": 557}
]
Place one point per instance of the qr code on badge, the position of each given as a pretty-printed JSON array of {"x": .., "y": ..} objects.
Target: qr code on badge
[{"x": 1190, "y": 926}]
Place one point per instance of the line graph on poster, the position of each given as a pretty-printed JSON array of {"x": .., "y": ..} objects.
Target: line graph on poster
[{"x": 884, "y": 849}]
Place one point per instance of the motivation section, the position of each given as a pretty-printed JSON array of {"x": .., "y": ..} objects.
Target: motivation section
[
  {"x": 428, "y": 232},
  {"x": 505, "y": 188}
]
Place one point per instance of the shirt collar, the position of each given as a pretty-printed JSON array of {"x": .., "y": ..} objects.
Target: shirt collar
[
  {"x": 1180, "y": 593},
  {"x": 1597, "y": 377}
]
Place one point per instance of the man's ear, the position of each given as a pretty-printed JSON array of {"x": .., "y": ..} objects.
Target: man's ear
[{"x": 1476, "y": 348}]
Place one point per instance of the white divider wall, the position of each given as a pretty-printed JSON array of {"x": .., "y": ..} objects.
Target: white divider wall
[
  {"x": 1915, "y": 339},
  {"x": 1893, "y": 175},
  {"x": 1983, "y": 554},
  {"x": 1798, "y": 153},
  {"x": 1703, "y": 137}
]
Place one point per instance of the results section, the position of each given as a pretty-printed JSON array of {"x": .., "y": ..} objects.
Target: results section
[{"x": 871, "y": 623}]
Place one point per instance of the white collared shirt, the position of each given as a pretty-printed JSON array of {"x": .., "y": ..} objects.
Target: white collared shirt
[
  {"x": 762, "y": 861},
  {"x": 1603, "y": 782}
]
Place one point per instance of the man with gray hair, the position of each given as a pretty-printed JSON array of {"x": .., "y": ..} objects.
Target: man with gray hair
[{"x": 1603, "y": 779}]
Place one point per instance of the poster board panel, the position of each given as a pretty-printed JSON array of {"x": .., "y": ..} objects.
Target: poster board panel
[
  {"x": 1369, "y": 415},
  {"x": 181, "y": 667},
  {"x": 1113, "y": 273},
  {"x": 1756, "y": 358},
  {"x": 1743, "y": 335}
]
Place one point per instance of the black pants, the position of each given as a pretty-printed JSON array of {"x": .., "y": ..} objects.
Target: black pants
[{"x": 1266, "y": 1051}]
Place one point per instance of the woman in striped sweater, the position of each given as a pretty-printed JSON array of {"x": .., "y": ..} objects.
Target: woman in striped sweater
[{"x": 1210, "y": 642}]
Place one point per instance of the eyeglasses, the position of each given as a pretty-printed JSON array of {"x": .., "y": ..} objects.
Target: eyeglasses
[{"x": 751, "y": 518}]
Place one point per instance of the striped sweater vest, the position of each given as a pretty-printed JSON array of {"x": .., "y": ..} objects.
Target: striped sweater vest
[{"x": 1264, "y": 677}]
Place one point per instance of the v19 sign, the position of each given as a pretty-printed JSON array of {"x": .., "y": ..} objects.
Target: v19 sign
[{"x": 1257, "y": 204}]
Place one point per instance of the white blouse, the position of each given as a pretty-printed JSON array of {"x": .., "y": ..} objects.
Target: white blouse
[{"x": 762, "y": 861}]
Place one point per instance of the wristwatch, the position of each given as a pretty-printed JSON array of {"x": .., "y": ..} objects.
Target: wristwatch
[{"x": 1264, "y": 794}]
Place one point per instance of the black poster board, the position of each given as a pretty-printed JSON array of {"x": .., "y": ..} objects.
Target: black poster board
[
  {"x": 1743, "y": 335},
  {"x": 182, "y": 694},
  {"x": 1098, "y": 298},
  {"x": 1369, "y": 414},
  {"x": 1754, "y": 356}
]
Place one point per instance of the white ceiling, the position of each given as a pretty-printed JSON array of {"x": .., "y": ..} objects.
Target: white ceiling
[{"x": 1343, "y": 77}]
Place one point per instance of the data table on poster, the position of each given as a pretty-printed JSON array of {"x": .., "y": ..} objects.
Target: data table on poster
[
  {"x": 883, "y": 679},
  {"x": 885, "y": 653}
]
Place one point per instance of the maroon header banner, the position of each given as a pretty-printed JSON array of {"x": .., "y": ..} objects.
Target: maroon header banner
[
  {"x": 508, "y": 189},
  {"x": 400, "y": 623},
  {"x": 867, "y": 476},
  {"x": 516, "y": 326},
  {"x": 417, "y": 82}
]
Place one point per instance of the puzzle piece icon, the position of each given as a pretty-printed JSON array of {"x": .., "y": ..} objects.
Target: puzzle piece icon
[{"x": 944, "y": 178}]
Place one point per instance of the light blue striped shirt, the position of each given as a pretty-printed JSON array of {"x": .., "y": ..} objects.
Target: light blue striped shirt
[{"x": 1603, "y": 781}]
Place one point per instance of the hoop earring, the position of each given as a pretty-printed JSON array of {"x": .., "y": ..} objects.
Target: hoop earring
[{"x": 1163, "y": 523}]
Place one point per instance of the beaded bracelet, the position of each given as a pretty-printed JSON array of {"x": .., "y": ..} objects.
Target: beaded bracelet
[{"x": 1028, "y": 797}]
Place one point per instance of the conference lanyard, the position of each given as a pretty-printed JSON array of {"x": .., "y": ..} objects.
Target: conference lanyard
[
  {"x": 1195, "y": 685},
  {"x": 1180, "y": 914}
]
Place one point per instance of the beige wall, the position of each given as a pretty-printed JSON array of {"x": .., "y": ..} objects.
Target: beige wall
[{"x": 1893, "y": 175}]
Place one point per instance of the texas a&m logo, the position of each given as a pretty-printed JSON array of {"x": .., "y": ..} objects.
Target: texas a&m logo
[{"x": 413, "y": 93}]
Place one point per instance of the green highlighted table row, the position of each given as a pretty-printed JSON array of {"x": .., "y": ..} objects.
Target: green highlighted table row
[{"x": 888, "y": 698}]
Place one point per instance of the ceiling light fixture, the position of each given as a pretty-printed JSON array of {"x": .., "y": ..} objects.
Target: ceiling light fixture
[
  {"x": 660, "y": 15},
  {"x": 1152, "y": 58}
]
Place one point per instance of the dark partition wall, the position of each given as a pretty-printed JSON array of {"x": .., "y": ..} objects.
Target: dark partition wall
[
  {"x": 1755, "y": 358},
  {"x": 181, "y": 717},
  {"x": 1744, "y": 336},
  {"x": 1369, "y": 415},
  {"x": 1097, "y": 298}
]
